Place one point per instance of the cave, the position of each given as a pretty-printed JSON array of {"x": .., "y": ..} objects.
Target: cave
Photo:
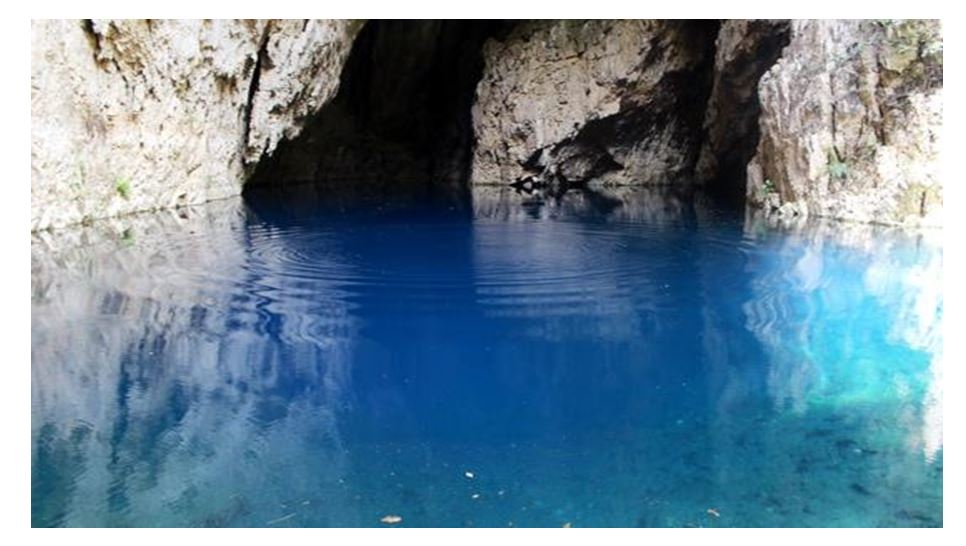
[
  {"x": 485, "y": 274},
  {"x": 401, "y": 127},
  {"x": 400, "y": 124}
]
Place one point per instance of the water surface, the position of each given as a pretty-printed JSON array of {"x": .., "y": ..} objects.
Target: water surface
[{"x": 641, "y": 360}]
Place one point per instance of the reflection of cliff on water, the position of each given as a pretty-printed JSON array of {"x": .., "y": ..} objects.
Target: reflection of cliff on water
[
  {"x": 153, "y": 377},
  {"x": 848, "y": 319},
  {"x": 811, "y": 335},
  {"x": 852, "y": 313},
  {"x": 552, "y": 261},
  {"x": 238, "y": 364},
  {"x": 644, "y": 205}
]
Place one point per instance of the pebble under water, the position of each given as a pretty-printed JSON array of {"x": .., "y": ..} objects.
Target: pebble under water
[{"x": 641, "y": 360}]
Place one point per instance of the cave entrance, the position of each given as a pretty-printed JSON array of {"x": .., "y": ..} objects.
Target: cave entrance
[
  {"x": 400, "y": 127},
  {"x": 400, "y": 124}
]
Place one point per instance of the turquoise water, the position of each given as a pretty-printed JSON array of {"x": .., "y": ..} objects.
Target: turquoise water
[{"x": 632, "y": 361}]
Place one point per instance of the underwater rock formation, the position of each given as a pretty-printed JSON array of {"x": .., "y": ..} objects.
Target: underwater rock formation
[
  {"x": 135, "y": 115},
  {"x": 851, "y": 120}
]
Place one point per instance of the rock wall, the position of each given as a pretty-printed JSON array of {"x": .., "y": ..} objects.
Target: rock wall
[
  {"x": 851, "y": 120},
  {"x": 744, "y": 50},
  {"x": 400, "y": 122},
  {"x": 569, "y": 102},
  {"x": 139, "y": 115},
  {"x": 135, "y": 115}
]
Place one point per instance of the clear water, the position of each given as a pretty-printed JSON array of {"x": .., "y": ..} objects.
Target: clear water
[{"x": 638, "y": 361}]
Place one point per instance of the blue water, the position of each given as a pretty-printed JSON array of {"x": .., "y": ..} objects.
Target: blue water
[{"x": 639, "y": 361}]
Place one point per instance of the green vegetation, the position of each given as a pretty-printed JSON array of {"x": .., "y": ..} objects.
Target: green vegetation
[
  {"x": 770, "y": 186},
  {"x": 836, "y": 167},
  {"x": 127, "y": 237},
  {"x": 123, "y": 188}
]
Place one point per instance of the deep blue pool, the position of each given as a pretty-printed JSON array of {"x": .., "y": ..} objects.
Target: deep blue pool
[{"x": 632, "y": 361}]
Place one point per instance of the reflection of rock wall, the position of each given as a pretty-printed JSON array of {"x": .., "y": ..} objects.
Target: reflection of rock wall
[
  {"x": 843, "y": 408},
  {"x": 827, "y": 339},
  {"x": 141, "y": 364},
  {"x": 554, "y": 261},
  {"x": 647, "y": 205}
]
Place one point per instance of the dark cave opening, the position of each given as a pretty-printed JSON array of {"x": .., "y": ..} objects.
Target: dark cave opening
[
  {"x": 400, "y": 124},
  {"x": 400, "y": 127},
  {"x": 732, "y": 138}
]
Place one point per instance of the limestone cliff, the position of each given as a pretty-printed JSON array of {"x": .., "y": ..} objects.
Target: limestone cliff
[
  {"x": 744, "y": 50},
  {"x": 572, "y": 102},
  {"x": 134, "y": 115},
  {"x": 851, "y": 120},
  {"x": 839, "y": 119}
]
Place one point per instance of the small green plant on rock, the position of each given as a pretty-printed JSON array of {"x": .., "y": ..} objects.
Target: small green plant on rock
[
  {"x": 836, "y": 167},
  {"x": 123, "y": 188},
  {"x": 769, "y": 186},
  {"x": 127, "y": 237}
]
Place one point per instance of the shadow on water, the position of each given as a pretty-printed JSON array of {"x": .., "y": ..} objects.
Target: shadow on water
[{"x": 630, "y": 358}]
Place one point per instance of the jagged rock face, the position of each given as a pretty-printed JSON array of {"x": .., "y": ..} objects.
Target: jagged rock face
[
  {"x": 135, "y": 115},
  {"x": 574, "y": 102},
  {"x": 744, "y": 50},
  {"x": 850, "y": 123},
  {"x": 401, "y": 119}
]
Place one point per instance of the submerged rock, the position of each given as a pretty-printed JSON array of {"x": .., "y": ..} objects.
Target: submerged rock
[{"x": 851, "y": 120}]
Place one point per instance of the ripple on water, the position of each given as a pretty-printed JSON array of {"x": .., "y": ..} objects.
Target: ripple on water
[{"x": 329, "y": 370}]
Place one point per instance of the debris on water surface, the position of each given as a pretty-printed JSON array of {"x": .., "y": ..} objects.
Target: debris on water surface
[
  {"x": 391, "y": 519},
  {"x": 469, "y": 474},
  {"x": 475, "y": 496},
  {"x": 713, "y": 512},
  {"x": 567, "y": 525},
  {"x": 500, "y": 492},
  {"x": 281, "y": 519}
]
